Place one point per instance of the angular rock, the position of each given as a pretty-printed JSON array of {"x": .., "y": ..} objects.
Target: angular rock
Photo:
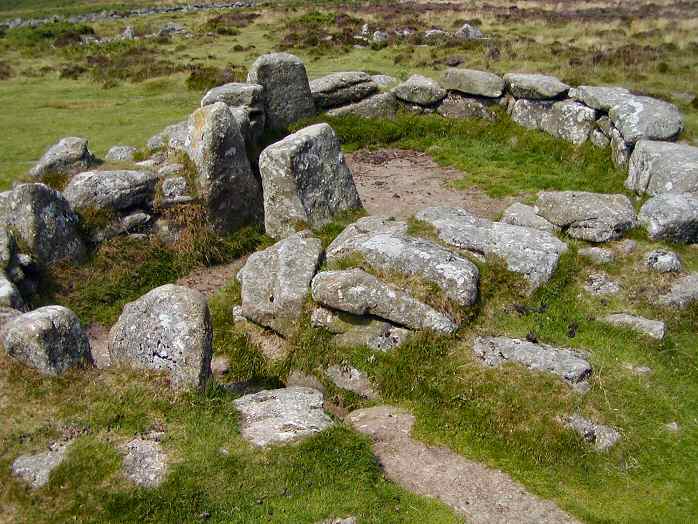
[
  {"x": 111, "y": 190},
  {"x": 530, "y": 113},
  {"x": 532, "y": 252},
  {"x": 663, "y": 261},
  {"x": 653, "y": 328},
  {"x": 663, "y": 167},
  {"x": 145, "y": 463},
  {"x": 603, "y": 437},
  {"x": 167, "y": 329},
  {"x": 385, "y": 245},
  {"x": 42, "y": 219},
  {"x": 468, "y": 32},
  {"x": 351, "y": 379},
  {"x": 287, "y": 96},
  {"x": 600, "y": 284},
  {"x": 227, "y": 186},
  {"x": 70, "y": 154},
  {"x": 173, "y": 137},
  {"x": 672, "y": 217},
  {"x": 457, "y": 106},
  {"x": 601, "y": 98},
  {"x": 639, "y": 117},
  {"x": 620, "y": 150},
  {"x": 36, "y": 469},
  {"x": 684, "y": 292},
  {"x": 340, "y": 89},
  {"x": 594, "y": 217},
  {"x": 275, "y": 282},
  {"x": 473, "y": 82},
  {"x": 281, "y": 416},
  {"x": 535, "y": 86},
  {"x": 420, "y": 90},
  {"x": 175, "y": 190},
  {"x": 570, "y": 365},
  {"x": 250, "y": 98},
  {"x": 597, "y": 255},
  {"x": 522, "y": 215},
  {"x": 360, "y": 293},
  {"x": 382, "y": 105},
  {"x": 570, "y": 121},
  {"x": 305, "y": 180},
  {"x": 121, "y": 154},
  {"x": 49, "y": 339}
]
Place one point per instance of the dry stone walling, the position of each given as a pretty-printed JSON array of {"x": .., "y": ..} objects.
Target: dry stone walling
[{"x": 301, "y": 183}]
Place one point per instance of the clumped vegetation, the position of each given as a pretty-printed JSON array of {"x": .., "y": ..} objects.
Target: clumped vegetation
[
  {"x": 58, "y": 34},
  {"x": 319, "y": 30},
  {"x": 229, "y": 23},
  {"x": 202, "y": 78}
]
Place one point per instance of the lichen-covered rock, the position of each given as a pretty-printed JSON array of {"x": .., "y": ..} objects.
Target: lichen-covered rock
[
  {"x": 287, "y": 96},
  {"x": 282, "y": 416},
  {"x": 42, "y": 219},
  {"x": 70, "y": 154},
  {"x": 250, "y": 98},
  {"x": 306, "y": 181},
  {"x": 522, "y": 215},
  {"x": 653, "y": 328},
  {"x": 535, "y": 86},
  {"x": 663, "y": 167},
  {"x": 594, "y": 217},
  {"x": 167, "y": 329},
  {"x": 49, "y": 339},
  {"x": 36, "y": 469},
  {"x": 10, "y": 297},
  {"x": 468, "y": 32},
  {"x": 420, "y": 90},
  {"x": 382, "y": 105},
  {"x": 227, "y": 186},
  {"x": 473, "y": 82},
  {"x": 173, "y": 137},
  {"x": 599, "y": 138},
  {"x": 7, "y": 314},
  {"x": 145, "y": 463},
  {"x": 530, "y": 113},
  {"x": 385, "y": 245},
  {"x": 603, "y": 437},
  {"x": 600, "y": 284},
  {"x": 351, "y": 379},
  {"x": 601, "y": 98},
  {"x": 384, "y": 80},
  {"x": 338, "y": 89},
  {"x": 663, "y": 261},
  {"x": 531, "y": 252},
  {"x": 569, "y": 120},
  {"x": 360, "y": 293},
  {"x": 121, "y": 154},
  {"x": 639, "y": 117},
  {"x": 275, "y": 282},
  {"x": 175, "y": 190},
  {"x": 570, "y": 365},
  {"x": 672, "y": 217},
  {"x": 598, "y": 255},
  {"x": 457, "y": 106},
  {"x": 111, "y": 190},
  {"x": 684, "y": 292},
  {"x": 620, "y": 150}
]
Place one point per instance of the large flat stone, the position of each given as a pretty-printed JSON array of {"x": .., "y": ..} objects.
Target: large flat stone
[
  {"x": 420, "y": 90},
  {"x": 602, "y": 98},
  {"x": 338, "y": 89},
  {"x": 653, "y": 328},
  {"x": 473, "y": 82},
  {"x": 535, "y": 86},
  {"x": 111, "y": 190},
  {"x": 382, "y": 105},
  {"x": 663, "y": 167},
  {"x": 639, "y": 117}
]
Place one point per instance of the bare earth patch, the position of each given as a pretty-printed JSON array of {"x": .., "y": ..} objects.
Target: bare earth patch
[
  {"x": 398, "y": 183},
  {"x": 210, "y": 280}
]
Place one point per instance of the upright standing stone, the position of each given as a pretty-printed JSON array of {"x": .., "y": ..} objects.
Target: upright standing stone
[
  {"x": 287, "y": 96},
  {"x": 306, "y": 181},
  {"x": 226, "y": 184}
]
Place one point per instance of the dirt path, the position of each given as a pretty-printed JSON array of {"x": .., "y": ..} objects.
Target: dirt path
[
  {"x": 481, "y": 494},
  {"x": 395, "y": 182}
]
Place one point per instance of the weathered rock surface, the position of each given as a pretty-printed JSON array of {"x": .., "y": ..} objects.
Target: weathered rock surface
[
  {"x": 382, "y": 105},
  {"x": 478, "y": 493},
  {"x": 457, "y": 106},
  {"x": 639, "y": 117},
  {"x": 420, "y": 90},
  {"x": 7, "y": 314},
  {"x": 305, "y": 180},
  {"x": 360, "y": 293},
  {"x": 36, "y": 469},
  {"x": 167, "y": 329},
  {"x": 110, "y": 190},
  {"x": 384, "y": 80},
  {"x": 287, "y": 96},
  {"x": 351, "y": 379},
  {"x": 473, "y": 82},
  {"x": 600, "y": 284},
  {"x": 535, "y": 86},
  {"x": 385, "y": 245},
  {"x": 594, "y": 217},
  {"x": 49, "y": 339},
  {"x": 42, "y": 219},
  {"x": 653, "y": 328},
  {"x": 282, "y": 416},
  {"x": 599, "y": 138},
  {"x": 663, "y": 167},
  {"x": 338, "y": 89},
  {"x": 227, "y": 186},
  {"x": 530, "y": 113},
  {"x": 532, "y": 252},
  {"x": 10, "y": 296},
  {"x": 671, "y": 216},
  {"x": 173, "y": 137},
  {"x": 597, "y": 255},
  {"x": 602, "y": 437},
  {"x": 684, "y": 292},
  {"x": 522, "y": 215},
  {"x": 249, "y": 97},
  {"x": 620, "y": 150},
  {"x": 275, "y": 282},
  {"x": 121, "y": 154},
  {"x": 569, "y": 120},
  {"x": 175, "y": 190},
  {"x": 145, "y": 463},
  {"x": 663, "y": 261},
  {"x": 567, "y": 363},
  {"x": 68, "y": 155},
  {"x": 468, "y": 32},
  {"x": 599, "y": 97}
]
